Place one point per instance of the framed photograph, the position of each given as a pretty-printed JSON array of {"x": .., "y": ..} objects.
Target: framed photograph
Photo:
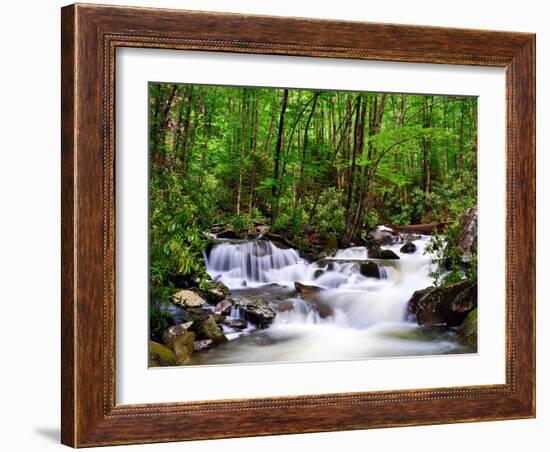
[{"x": 281, "y": 225}]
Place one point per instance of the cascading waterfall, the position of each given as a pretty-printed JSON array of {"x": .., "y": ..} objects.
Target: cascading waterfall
[
  {"x": 366, "y": 315},
  {"x": 357, "y": 301},
  {"x": 253, "y": 263}
]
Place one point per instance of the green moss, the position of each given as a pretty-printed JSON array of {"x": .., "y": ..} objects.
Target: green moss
[
  {"x": 468, "y": 329},
  {"x": 160, "y": 355}
]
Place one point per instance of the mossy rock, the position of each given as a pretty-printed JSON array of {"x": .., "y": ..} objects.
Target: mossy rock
[
  {"x": 160, "y": 355},
  {"x": 183, "y": 347},
  {"x": 468, "y": 329},
  {"x": 444, "y": 305},
  {"x": 208, "y": 329},
  {"x": 174, "y": 331},
  {"x": 215, "y": 291}
]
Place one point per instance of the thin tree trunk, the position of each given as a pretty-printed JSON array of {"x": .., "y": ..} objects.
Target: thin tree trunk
[
  {"x": 186, "y": 126},
  {"x": 243, "y": 145},
  {"x": 279, "y": 144},
  {"x": 304, "y": 151},
  {"x": 253, "y": 145}
]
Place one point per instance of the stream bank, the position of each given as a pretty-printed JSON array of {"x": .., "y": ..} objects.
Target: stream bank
[{"x": 267, "y": 303}]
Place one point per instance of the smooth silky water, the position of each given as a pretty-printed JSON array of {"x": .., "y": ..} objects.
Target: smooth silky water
[{"x": 368, "y": 316}]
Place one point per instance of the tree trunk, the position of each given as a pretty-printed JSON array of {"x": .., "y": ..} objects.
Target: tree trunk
[
  {"x": 304, "y": 151},
  {"x": 243, "y": 145},
  {"x": 279, "y": 144},
  {"x": 186, "y": 126},
  {"x": 253, "y": 145}
]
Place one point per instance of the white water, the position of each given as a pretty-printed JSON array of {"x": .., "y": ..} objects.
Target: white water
[{"x": 367, "y": 318}]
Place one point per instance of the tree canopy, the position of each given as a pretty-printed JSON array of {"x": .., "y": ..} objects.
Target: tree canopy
[{"x": 311, "y": 164}]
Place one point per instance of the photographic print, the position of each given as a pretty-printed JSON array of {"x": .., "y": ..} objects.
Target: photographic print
[{"x": 296, "y": 225}]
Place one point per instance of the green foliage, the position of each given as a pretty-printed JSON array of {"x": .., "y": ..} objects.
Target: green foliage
[
  {"x": 175, "y": 241},
  {"x": 448, "y": 199},
  {"x": 160, "y": 318},
  {"x": 330, "y": 215},
  {"x": 448, "y": 264},
  {"x": 309, "y": 164}
]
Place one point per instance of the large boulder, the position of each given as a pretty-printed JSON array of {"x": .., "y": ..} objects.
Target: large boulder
[
  {"x": 183, "y": 347},
  {"x": 369, "y": 269},
  {"x": 312, "y": 294},
  {"x": 375, "y": 252},
  {"x": 208, "y": 329},
  {"x": 215, "y": 291},
  {"x": 174, "y": 331},
  {"x": 236, "y": 324},
  {"x": 468, "y": 330},
  {"x": 408, "y": 248},
  {"x": 256, "y": 311},
  {"x": 444, "y": 305},
  {"x": 466, "y": 239},
  {"x": 203, "y": 344},
  {"x": 191, "y": 314},
  {"x": 160, "y": 355},
  {"x": 384, "y": 236},
  {"x": 187, "y": 299},
  {"x": 223, "y": 307}
]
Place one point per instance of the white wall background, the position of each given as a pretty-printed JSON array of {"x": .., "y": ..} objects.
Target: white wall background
[{"x": 30, "y": 225}]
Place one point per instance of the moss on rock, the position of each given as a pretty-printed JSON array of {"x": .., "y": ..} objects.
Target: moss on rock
[
  {"x": 160, "y": 355},
  {"x": 468, "y": 329}
]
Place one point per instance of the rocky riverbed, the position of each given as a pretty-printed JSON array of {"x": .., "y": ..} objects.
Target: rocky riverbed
[{"x": 267, "y": 302}]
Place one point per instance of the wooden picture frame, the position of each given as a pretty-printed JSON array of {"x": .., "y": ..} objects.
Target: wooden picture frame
[{"x": 90, "y": 36}]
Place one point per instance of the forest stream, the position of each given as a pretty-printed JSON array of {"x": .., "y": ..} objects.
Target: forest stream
[{"x": 337, "y": 312}]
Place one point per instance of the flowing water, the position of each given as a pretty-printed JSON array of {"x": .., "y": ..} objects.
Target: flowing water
[{"x": 362, "y": 317}]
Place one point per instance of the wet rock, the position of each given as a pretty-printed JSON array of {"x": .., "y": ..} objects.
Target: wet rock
[
  {"x": 237, "y": 324},
  {"x": 215, "y": 291},
  {"x": 223, "y": 307},
  {"x": 284, "y": 305},
  {"x": 445, "y": 305},
  {"x": 187, "y": 299},
  {"x": 375, "y": 252},
  {"x": 306, "y": 291},
  {"x": 160, "y": 355},
  {"x": 318, "y": 272},
  {"x": 384, "y": 237},
  {"x": 174, "y": 331},
  {"x": 256, "y": 311},
  {"x": 388, "y": 254},
  {"x": 408, "y": 248},
  {"x": 183, "y": 347},
  {"x": 369, "y": 269},
  {"x": 410, "y": 237},
  {"x": 312, "y": 294},
  {"x": 203, "y": 344},
  {"x": 319, "y": 256},
  {"x": 468, "y": 330},
  {"x": 193, "y": 314},
  {"x": 208, "y": 329}
]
